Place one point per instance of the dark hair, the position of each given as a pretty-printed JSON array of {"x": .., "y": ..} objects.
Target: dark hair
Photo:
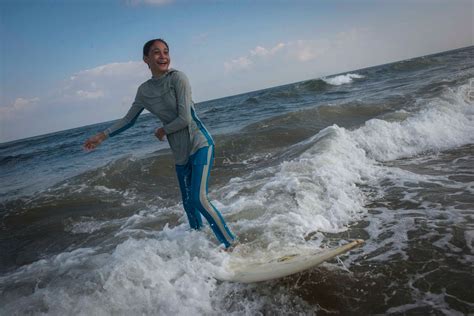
[{"x": 147, "y": 46}]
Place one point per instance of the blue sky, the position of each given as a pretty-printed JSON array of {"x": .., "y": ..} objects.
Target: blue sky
[{"x": 72, "y": 63}]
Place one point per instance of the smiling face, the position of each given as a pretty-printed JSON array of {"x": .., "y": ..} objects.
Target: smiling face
[{"x": 158, "y": 58}]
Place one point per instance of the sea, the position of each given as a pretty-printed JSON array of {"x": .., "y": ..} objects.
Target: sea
[{"x": 384, "y": 154}]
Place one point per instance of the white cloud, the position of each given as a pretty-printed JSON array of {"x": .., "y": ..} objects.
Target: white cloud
[
  {"x": 259, "y": 51},
  {"x": 243, "y": 62},
  {"x": 103, "y": 81},
  {"x": 262, "y": 51},
  {"x": 90, "y": 94},
  {"x": 110, "y": 70},
  {"x": 20, "y": 105},
  {"x": 299, "y": 50}
]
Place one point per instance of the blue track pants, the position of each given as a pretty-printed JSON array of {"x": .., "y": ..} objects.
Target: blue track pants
[{"x": 193, "y": 179}]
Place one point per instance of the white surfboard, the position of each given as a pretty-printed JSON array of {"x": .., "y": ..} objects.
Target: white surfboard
[{"x": 281, "y": 266}]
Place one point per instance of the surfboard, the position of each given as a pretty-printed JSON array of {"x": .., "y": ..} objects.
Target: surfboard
[{"x": 280, "y": 266}]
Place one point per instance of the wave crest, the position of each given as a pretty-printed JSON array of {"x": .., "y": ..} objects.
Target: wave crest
[{"x": 342, "y": 79}]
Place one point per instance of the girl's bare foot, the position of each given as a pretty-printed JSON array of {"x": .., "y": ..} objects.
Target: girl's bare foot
[{"x": 232, "y": 247}]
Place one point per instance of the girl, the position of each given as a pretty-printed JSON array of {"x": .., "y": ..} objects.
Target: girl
[{"x": 168, "y": 96}]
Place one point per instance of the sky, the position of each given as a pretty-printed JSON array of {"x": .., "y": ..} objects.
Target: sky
[{"x": 71, "y": 63}]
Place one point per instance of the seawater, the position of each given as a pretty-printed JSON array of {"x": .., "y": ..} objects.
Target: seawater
[{"x": 383, "y": 153}]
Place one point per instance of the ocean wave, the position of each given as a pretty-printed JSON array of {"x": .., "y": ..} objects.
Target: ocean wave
[
  {"x": 320, "y": 190},
  {"x": 417, "y": 63},
  {"x": 314, "y": 85},
  {"x": 314, "y": 192},
  {"x": 14, "y": 159},
  {"x": 444, "y": 122},
  {"x": 251, "y": 101},
  {"x": 272, "y": 95},
  {"x": 342, "y": 79}
]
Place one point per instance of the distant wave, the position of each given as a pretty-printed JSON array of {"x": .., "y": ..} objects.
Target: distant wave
[
  {"x": 415, "y": 64},
  {"x": 446, "y": 122},
  {"x": 313, "y": 85},
  {"x": 342, "y": 79}
]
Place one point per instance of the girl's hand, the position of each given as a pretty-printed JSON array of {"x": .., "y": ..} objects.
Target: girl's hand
[
  {"x": 160, "y": 133},
  {"x": 94, "y": 141}
]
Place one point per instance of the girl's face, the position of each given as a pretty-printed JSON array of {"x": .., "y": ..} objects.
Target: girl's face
[{"x": 158, "y": 58}]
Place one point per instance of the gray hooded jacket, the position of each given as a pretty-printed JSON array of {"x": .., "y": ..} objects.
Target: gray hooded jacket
[{"x": 169, "y": 98}]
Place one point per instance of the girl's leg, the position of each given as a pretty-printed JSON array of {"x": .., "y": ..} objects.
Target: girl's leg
[
  {"x": 199, "y": 182},
  {"x": 184, "y": 173}
]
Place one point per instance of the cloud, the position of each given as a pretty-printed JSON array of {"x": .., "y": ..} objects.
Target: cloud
[
  {"x": 103, "y": 82},
  {"x": 245, "y": 62},
  {"x": 86, "y": 97},
  {"x": 299, "y": 50},
  {"x": 90, "y": 94},
  {"x": 109, "y": 70},
  {"x": 22, "y": 103},
  {"x": 262, "y": 51},
  {"x": 19, "y": 106}
]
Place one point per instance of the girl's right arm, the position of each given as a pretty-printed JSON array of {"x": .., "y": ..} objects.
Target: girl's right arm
[{"x": 126, "y": 122}]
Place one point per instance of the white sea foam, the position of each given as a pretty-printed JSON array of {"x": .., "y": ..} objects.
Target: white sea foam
[
  {"x": 315, "y": 192},
  {"x": 426, "y": 299},
  {"x": 139, "y": 276},
  {"x": 342, "y": 79},
  {"x": 170, "y": 274},
  {"x": 88, "y": 225},
  {"x": 443, "y": 123}
]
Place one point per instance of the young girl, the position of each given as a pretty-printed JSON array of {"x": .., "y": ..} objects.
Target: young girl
[{"x": 168, "y": 96}]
